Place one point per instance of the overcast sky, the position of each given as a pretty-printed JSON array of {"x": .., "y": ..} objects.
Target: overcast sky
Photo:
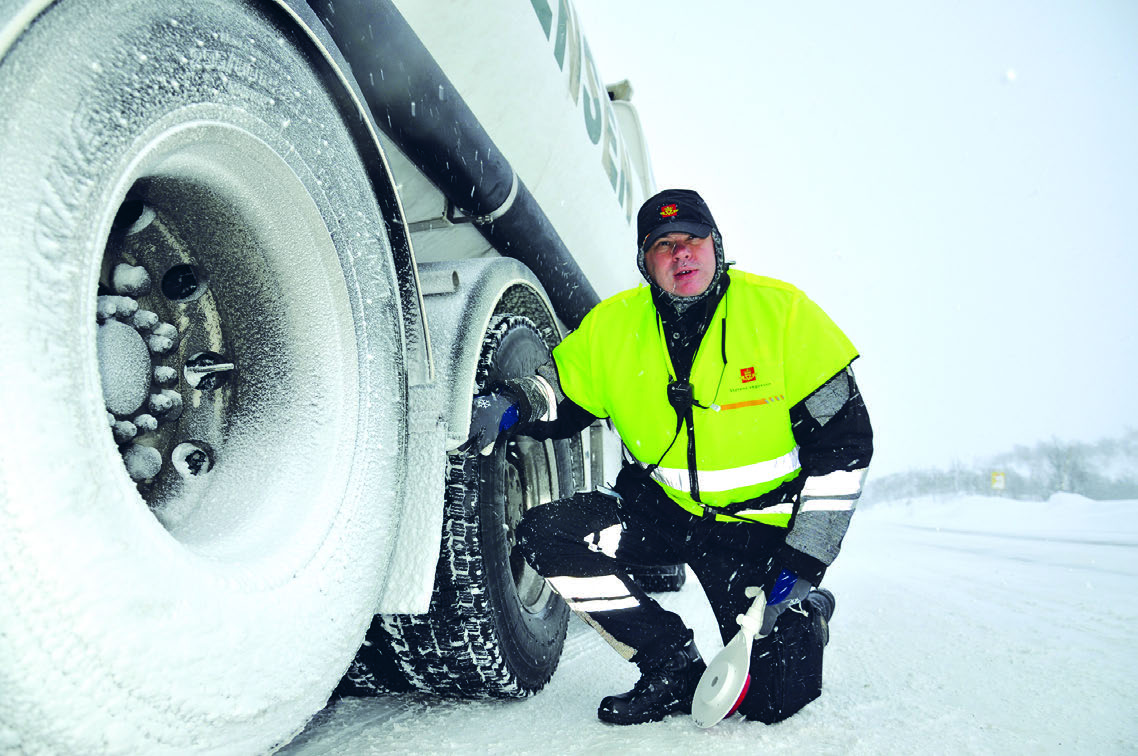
[{"x": 956, "y": 183}]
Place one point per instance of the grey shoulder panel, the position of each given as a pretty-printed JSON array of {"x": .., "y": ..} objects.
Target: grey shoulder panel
[{"x": 830, "y": 397}]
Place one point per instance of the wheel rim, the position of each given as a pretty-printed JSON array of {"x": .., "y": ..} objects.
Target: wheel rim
[
  {"x": 531, "y": 480},
  {"x": 212, "y": 327}
]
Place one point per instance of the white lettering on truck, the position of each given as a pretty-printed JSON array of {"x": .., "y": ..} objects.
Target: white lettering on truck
[{"x": 600, "y": 121}]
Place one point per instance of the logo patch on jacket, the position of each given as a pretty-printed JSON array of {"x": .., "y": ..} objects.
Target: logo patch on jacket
[
  {"x": 747, "y": 374},
  {"x": 667, "y": 211}
]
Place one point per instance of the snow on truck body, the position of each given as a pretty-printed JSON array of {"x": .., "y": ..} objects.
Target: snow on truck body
[{"x": 316, "y": 294}]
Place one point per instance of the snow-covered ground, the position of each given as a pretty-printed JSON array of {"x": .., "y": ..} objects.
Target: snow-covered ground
[{"x": 964, "y": 625}]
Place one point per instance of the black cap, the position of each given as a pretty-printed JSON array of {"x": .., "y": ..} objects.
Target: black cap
[{"x": 673, "y": 210}]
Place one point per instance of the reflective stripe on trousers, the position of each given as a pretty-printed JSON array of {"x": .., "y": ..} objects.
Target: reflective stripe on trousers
[{"x": 606, "y": 593}]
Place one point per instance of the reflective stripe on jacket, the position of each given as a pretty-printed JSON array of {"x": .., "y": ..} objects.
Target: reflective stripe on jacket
[{"x": 779, "y": 348}]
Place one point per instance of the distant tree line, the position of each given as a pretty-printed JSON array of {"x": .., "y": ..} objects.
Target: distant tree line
[{"x": 1105, "y": 469}]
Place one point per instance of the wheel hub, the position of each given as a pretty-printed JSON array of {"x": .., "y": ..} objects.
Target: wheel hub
[
  {"x": 230, "y": 348},
  {"x": 142, "y": 354},
  {"x": 125, "y": 367}
]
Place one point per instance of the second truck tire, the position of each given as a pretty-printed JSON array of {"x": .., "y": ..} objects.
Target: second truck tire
[{"x": 494, "y": 629}]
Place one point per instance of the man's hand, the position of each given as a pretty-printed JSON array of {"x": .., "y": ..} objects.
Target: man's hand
[
  {"x": 788, "y": 589},
  {"x": 493, "y": 414}
]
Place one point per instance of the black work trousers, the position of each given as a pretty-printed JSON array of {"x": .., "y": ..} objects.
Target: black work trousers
[{"x": 600, "y": 536}]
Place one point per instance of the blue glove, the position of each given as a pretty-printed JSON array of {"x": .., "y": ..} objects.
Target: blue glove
[
  {"x": 788, "y": 589},
  {"x": 493, "y": 414}
]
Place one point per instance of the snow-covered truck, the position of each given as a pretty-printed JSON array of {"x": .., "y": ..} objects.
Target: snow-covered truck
[{"x": 256, "y": 258}]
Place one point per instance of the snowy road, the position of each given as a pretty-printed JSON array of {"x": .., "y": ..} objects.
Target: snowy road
[{"x": 969, "y": 625}]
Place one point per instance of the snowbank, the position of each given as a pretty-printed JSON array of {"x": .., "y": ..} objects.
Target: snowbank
[{"x": 1062, "y": 517}]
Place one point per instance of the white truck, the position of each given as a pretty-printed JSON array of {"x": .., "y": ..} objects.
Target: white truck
[{"x": 256, "y": 258}]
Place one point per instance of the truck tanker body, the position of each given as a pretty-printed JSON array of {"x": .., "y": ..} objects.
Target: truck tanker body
[{"x": 256, "y": 258}]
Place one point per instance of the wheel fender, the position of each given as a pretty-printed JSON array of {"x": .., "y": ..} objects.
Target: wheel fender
[
  {"x": 338, "y": 74},
  {"x": 460, "y": 297}
]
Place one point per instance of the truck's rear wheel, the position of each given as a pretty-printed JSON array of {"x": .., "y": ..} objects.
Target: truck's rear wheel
[
  {"x": 494, "y": 629},
  {"x": 202, "y": 386}
]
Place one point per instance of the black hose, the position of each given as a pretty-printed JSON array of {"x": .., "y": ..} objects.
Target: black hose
[{"x": 416, "y": 105}]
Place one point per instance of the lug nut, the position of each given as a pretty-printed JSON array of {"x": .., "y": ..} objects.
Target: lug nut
[
  {"x": 142, "y": 462},
  {"x": 130, "y": 280},
  {"x": 167, "y": 404},
  {"x": 124, "y": 431},
  {"x": 144, "y": 320},
  {"x": 109, "y": 306},
  {"x": 165, "y": 376},
  {"x": 163, "y": 338}
]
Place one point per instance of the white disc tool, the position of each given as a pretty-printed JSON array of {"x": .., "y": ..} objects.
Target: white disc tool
[{"x": 724, "y": 684}]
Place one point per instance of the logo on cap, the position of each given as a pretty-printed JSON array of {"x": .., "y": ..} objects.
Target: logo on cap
[{"x": 667, "y": 211}]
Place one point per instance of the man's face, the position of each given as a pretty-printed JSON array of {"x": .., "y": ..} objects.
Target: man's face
[{"x": 681, "y": 264}]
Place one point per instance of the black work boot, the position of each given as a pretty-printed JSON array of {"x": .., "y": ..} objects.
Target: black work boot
[
  {"x": 663, "y": 688},
  {"x": 821, "y": 603}
]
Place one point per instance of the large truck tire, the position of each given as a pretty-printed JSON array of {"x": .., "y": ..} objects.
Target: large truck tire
[
  {"x": 495, "y": 629},
  {"x": 202, "y": 391}
]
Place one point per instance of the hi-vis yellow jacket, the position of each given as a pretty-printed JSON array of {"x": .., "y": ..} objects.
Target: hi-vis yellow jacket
[{"x": 767, "y": 348}]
